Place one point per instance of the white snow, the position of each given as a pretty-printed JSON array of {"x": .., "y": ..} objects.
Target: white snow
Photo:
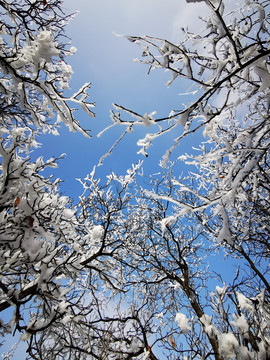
[
  {"x": 244, "y": 302},
  {"x": 220, "y": 291},
  {"x": 182, "y": 322},
  {"x": 165, "y": 222},
  {"x": 240, "y": 323},
  {"x": 225, "y": 233},
  {"x": 68, "y": 213},
  {"x": 208, "y": 326},
  {"x": 183, "y": 118},
  {"x": 227, "y": 345},
  {"x": 263, "y": 73},
  {"x": 97, "y": 232},
  {"x": 148, "y": 119}
]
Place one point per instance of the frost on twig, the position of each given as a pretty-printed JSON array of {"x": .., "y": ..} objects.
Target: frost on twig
[{"x": 227, "y": 62}]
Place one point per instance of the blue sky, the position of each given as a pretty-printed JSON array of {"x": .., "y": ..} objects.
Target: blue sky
[{"x": 106, "y": 61}]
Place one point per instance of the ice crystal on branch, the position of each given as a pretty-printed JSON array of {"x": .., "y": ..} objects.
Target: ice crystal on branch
[{"x": 228, "y": 61}]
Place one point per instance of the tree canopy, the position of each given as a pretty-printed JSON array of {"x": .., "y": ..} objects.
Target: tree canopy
[{"x": 164, "y": 266}]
